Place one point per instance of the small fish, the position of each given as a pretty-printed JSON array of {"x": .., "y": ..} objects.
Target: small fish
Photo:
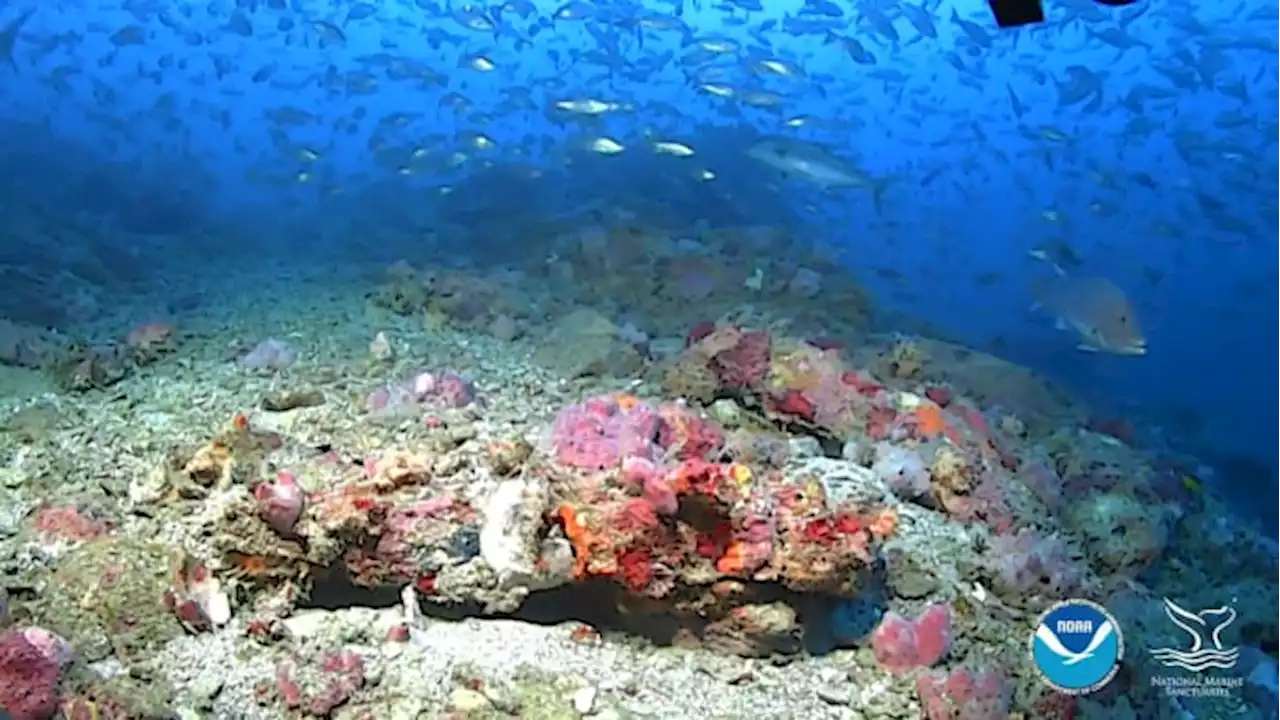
[
  {"x": 587, "y": 106},
  {"x": 780, "y": 68},
  {"x": 1057, "y": 253},
  {"x": 673, "y": 148},
  {"x": 717, "y": 89},
  {"x": 128, "y": 35},
  {"x": 479, "y": 63},
  {"x": 479, "y": 141},
  {"x": 361, "y": 11},
  {"x": 328, "y": 32},
  {"x": 606, "y": 146},
  {"x": 574, "y": 11},
  {"x": 1096, "y": 308}
]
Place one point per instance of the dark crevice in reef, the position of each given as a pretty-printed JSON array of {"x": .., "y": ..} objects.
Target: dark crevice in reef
[
  {"x": 606, "y": 607},
  {"x": 334, "y": 591}
]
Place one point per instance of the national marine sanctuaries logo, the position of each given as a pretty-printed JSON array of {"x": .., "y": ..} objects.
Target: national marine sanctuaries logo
[
  {"x": 1205, "y": 653},
  {"x": 1077, "y": 646},
  {"x": 1205, "y": 628}
]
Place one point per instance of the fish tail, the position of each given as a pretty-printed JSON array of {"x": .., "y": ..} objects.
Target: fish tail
[{"x": 1043, "y": 257}]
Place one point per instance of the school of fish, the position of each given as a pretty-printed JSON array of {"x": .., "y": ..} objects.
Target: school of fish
[{"x": 429, "y": 92}]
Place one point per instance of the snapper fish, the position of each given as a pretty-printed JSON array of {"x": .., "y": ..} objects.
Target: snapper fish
[{"x": 1095, "y": 308}]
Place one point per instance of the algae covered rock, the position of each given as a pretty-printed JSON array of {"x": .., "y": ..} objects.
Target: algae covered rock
[
  {"x": 122, "y": 696},
  {"x": 107, "y": 596},
  {"x": 84, "y": 368},
  {"x": 404, "y": 293},
  {"x": 1120, "y": 533},
  {"x": 585, "y": 343}
]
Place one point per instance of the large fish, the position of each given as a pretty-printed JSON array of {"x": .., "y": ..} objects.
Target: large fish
[
  {"x": 1096, "y": 309},
  {"x": 808, "y": 162},
  {"x": 816, "y": 165}
]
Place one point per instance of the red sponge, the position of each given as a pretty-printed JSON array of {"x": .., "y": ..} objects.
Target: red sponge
[
  {"x": 902, "y": 645},
  {"x": 31, "y": 663}
]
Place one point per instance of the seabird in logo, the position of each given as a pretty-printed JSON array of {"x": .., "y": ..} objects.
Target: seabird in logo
[
  {"x": 1201, "y": 626},
  {"x": 1077, "y": 646}
]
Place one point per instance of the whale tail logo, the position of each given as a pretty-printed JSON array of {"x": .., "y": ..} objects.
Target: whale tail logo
[{"x": 1205, "y": 629}]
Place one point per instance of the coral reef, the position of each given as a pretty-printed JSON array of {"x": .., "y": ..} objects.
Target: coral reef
[{"x": 479, "y": 504}]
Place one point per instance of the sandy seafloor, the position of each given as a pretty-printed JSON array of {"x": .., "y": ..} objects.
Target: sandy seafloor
[{"x": 473, "y": 668}]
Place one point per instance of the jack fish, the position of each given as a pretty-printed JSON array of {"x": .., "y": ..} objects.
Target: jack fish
[{"x": 808, "y": 162}]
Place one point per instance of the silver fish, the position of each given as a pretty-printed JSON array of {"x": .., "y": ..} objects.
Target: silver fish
[{"x": 808, "y": 162}]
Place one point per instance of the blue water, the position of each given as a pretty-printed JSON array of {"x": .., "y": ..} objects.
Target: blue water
[{"x": 160, "y": 119}]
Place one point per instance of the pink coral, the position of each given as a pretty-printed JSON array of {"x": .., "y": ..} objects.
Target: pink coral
[
  {"x": 31, "y": 662},
  {"x": 599, "y": 433},
  {"x": 280, "y": 503},
  {"x": 902, "y": 645},
  {"x": 659, "y": 493},
  {"x": 603, "y": 431},
  {"x": 960, "y": 695},
  {"x": 651, "y": 479}
]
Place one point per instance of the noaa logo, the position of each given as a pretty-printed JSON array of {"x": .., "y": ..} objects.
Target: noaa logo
[{"x": 1077, "y": 646}]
